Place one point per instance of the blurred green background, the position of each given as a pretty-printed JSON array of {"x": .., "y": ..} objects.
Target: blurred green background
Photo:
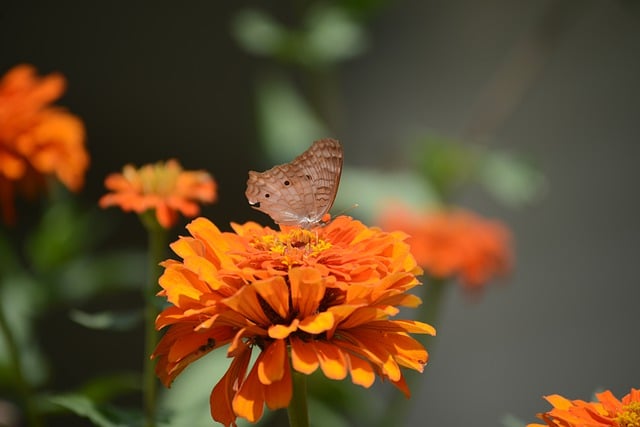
[{"x": 219, "y": 85}]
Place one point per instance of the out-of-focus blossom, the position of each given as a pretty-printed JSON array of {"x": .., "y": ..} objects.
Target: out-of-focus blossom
[
  {"x": 306, "y": 299},
  {"x": 608, "y": 411},
  {"x": 36, "y": 139},
  {"x": 454, "y": 243},
  {"x": 164, "y": 187}
]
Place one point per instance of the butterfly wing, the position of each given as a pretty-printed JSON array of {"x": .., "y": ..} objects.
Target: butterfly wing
[{"x": 300, "y": 192}]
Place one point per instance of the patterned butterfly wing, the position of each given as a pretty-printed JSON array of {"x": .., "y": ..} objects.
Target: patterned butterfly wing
[{"x": 300, "y": 192}]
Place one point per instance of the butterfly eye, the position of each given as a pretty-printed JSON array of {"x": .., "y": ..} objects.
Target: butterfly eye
[{"x": 286, "y": 183}]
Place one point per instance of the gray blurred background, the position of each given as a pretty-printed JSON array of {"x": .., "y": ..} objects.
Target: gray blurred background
[{"x": 154, "y": 80}]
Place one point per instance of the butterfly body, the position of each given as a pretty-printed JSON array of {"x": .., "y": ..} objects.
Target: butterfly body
[{"x": 300, "y": 192}]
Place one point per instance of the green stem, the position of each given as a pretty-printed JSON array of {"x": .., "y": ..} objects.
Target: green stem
[
  {"x": 24, "y": 388},
  {"x": 157, "y": 247},
  {"x": 298, "y": 414},
  {"x": 429, "y": 312}
]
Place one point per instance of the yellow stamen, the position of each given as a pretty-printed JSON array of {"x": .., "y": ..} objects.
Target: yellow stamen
[
  {"x": 629, "y": 416},
  {"x": 293, "y": 245}
]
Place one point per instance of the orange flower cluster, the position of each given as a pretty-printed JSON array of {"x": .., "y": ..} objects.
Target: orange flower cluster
[
  {"x": 451, "y": 243},
  {"x": 307, "y": 299},
  {"x": 607, "y": 412},
  {"x": 36, "y": 139},
  {"x": 163, "y": 187}
]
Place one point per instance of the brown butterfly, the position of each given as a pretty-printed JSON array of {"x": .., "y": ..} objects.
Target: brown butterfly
[{"x": 301, "y": 192}]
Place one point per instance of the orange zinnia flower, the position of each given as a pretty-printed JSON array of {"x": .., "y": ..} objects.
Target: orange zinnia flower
[
  {"x": 607, "y": 412},
  {"x": 165, "y": 187},
  {"x": 450, "y": 243},
  {"x": 307, "y": 299},
  {"x": 36, "y": 139}
]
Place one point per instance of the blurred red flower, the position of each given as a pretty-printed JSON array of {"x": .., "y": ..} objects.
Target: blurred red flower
[
  {"x": 164, "y": 187},
  {"x": 36, "y": 138},
  {"x": 448, "y": 243}
]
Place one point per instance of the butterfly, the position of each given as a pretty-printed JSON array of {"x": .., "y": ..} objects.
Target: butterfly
[{"x": 301, "y": 192}]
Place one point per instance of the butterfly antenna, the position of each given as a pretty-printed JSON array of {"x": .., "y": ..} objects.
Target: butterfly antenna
[{"x": 345, "y": 210}]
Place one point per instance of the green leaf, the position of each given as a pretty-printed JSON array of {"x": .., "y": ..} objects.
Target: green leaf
[
  {"x": 22, "y": 298},
  {"x": 446, "y": 163},
  {"x": 86, "y": 408},
  {"x": 86, "y": 277},
  {"x": 287, "y": 124},
  {"x": 116, "y": 321},
  {"x": 371, "y": 190},
  {"x": 332, "y": 35},
  {"x": 63, "y": 233},
  {"x": 257, "y": 32},
  {"x": 104, "y": 388},
  {"x": 510, "y": 179}
]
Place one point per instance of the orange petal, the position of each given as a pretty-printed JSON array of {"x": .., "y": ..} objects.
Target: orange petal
[
  {"x": 248, "y": 402},
  {"x": 224, "y": 391},
  {"x": 246, "y": 302},
  {"x": 178, "y": 287},
  {"x": 307, "y": 290},
  {"x": 276, "y": 293},
  {"x": 401, "y": 385},
  {"x": 361, "y": 371},
  {"x": 205, "y": 231},
  {"x": 558, "y": 401},
  {"x": 271, "y": 362},
  {"x": 278, "y": 394},
  {"x": 408, "y": 351},
  {"x": 332, "y": 360},
  {"x": 303, "y": 356},
  {"x": 318, "y": 323},
  {"x": 283, "y": 331}
]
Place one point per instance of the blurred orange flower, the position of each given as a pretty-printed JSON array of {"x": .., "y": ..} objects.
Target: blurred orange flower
[
  {"x": 36, "y": 139},
  {"x": 165, "y": 187},
  {"x": 607, "y": 412},
  {"x": 450, "y": 243},
  {"x": 307, "y": 299}
]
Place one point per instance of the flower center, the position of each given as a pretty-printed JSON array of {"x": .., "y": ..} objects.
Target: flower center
[
  {"x": 629, "y": 416},
  {"x": 159, "y": 179},
  {"x": 293, "y": 245}
]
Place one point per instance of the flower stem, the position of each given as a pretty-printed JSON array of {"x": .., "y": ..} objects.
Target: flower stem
[
  {"x": 33, "y": 417},
  {"x": 298, "y": 413},
  {"x": 157, "y": 248}
]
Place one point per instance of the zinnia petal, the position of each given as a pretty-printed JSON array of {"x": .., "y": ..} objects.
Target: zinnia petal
[
  {"x": 272, "y": 362},
  {"x": 248, "y": 402},
  {"x": 224, "y": 391}
]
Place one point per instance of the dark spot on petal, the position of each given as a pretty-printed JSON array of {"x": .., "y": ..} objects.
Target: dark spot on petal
[
  {"x": 267, "y": 195},
  {"x": 208, "y": 346},
  {"x": 287, "y": 183}
]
